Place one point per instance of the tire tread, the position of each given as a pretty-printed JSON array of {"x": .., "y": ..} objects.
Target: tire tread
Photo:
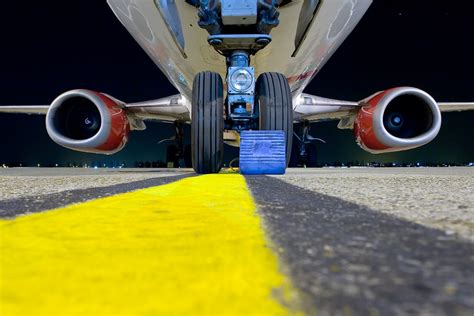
[
  {"x": 207, "y": 123},
  {"x": 276, "y": 109}
]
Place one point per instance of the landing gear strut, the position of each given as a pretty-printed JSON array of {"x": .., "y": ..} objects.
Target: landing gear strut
[
  {"x": 304, "y": 149},
  {"x": 177, "y": 151}
]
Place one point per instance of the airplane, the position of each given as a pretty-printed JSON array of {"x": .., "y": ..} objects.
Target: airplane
[{"x": 241, "y": 65}]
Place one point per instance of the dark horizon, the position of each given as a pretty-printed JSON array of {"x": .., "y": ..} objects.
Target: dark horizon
[{"x": 49, "y": 48}]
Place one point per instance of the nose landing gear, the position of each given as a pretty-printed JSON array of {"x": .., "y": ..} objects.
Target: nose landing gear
[{"x": 250, "y": 104}]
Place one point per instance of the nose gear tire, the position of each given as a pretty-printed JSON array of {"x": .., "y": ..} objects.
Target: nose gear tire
[
  {"x": 273, "y": 97},
  {"x": 207, "y": 125}
]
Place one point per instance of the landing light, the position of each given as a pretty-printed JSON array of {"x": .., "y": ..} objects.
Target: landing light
[{"x": 241, "y": 80}]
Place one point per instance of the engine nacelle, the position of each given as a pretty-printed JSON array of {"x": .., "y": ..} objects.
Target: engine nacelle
[
  {"x": 87, "y": 121},
  {"x": 397, "y": 119}
]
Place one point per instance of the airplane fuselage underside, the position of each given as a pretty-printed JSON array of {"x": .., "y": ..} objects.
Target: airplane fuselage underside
[
  {"x": 241, "y": 64},
  {"x": 302, "y": 43}
]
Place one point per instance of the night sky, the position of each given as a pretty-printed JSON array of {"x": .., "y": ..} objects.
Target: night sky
[{"x": 48, "y": 47}]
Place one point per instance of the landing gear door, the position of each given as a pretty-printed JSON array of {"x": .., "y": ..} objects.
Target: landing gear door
[
  {"x": 169, "y": 12},
  {"x": 308, "y": 11}
]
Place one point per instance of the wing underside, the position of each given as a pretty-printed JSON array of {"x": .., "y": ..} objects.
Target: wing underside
[
  {"x": 168, "y": 109},
  {"x": 315, "y": 109},
  {"x": 455, "y": 106},
  {"x": 25, "y": 109},
  {"x": 177, "y": 108}
]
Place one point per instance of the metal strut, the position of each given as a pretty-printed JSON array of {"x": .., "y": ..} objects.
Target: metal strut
[{"x": 304, "y": 141}]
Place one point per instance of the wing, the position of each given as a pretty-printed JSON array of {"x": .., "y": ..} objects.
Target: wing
[
  {"x": 169, "y": 109},
  {"x": 312, "y": 108},
  {"x": 177, "y": 108},
  {"x": 25, "y": 109},
  {"x": 455, "y": 106},
  {"x": 315, "y": 109}
]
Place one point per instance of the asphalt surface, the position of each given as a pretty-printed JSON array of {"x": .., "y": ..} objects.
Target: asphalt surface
[
  {"x": 12, "y": 207},
  {"x": 22, "y": 182},
  {"x": 56, "y": 172},
  {"x": 347, "y": 259},
  {"x": 381, "y": 241},
  {"x": 441, "y": 198}
]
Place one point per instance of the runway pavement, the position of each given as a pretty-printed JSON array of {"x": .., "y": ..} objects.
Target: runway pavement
[{"x": 395, "y": 241}]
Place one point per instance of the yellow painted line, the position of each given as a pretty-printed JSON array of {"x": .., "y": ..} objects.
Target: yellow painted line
[{"x": 192, "y": 247}]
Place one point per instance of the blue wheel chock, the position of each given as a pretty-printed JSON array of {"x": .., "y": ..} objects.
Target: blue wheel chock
[{"x": 262, "y": 152}]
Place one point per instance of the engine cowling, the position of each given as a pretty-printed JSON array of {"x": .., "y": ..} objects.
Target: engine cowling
[
  {"x": 397, "y": 119},
  {"x": 87, "y": 121}
]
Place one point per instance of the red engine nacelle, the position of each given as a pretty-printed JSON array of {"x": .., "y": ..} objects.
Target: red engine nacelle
[
  {"x": 397, "y": 119},
  {"x": 87, "y": 121}
]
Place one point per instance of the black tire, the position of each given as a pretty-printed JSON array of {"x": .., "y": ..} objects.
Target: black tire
[
  {"x": 207, "y": 125},
  {"x": 273, "y": 97}
]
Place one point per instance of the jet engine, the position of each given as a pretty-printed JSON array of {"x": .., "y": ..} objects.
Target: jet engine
[
  {"x": 397, "y": 119},
  {"x": 88, "y": 121}
]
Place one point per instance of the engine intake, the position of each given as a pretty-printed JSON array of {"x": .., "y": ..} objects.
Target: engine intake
[
  {"x": 87, "y": 121},
  {"x": 397, "y": 119}
]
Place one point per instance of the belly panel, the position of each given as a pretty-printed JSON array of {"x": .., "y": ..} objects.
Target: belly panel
[{"x": 180, "y": 58}]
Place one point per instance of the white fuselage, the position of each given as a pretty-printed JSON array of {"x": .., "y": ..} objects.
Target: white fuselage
[{"x": 334, "y": 21}]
